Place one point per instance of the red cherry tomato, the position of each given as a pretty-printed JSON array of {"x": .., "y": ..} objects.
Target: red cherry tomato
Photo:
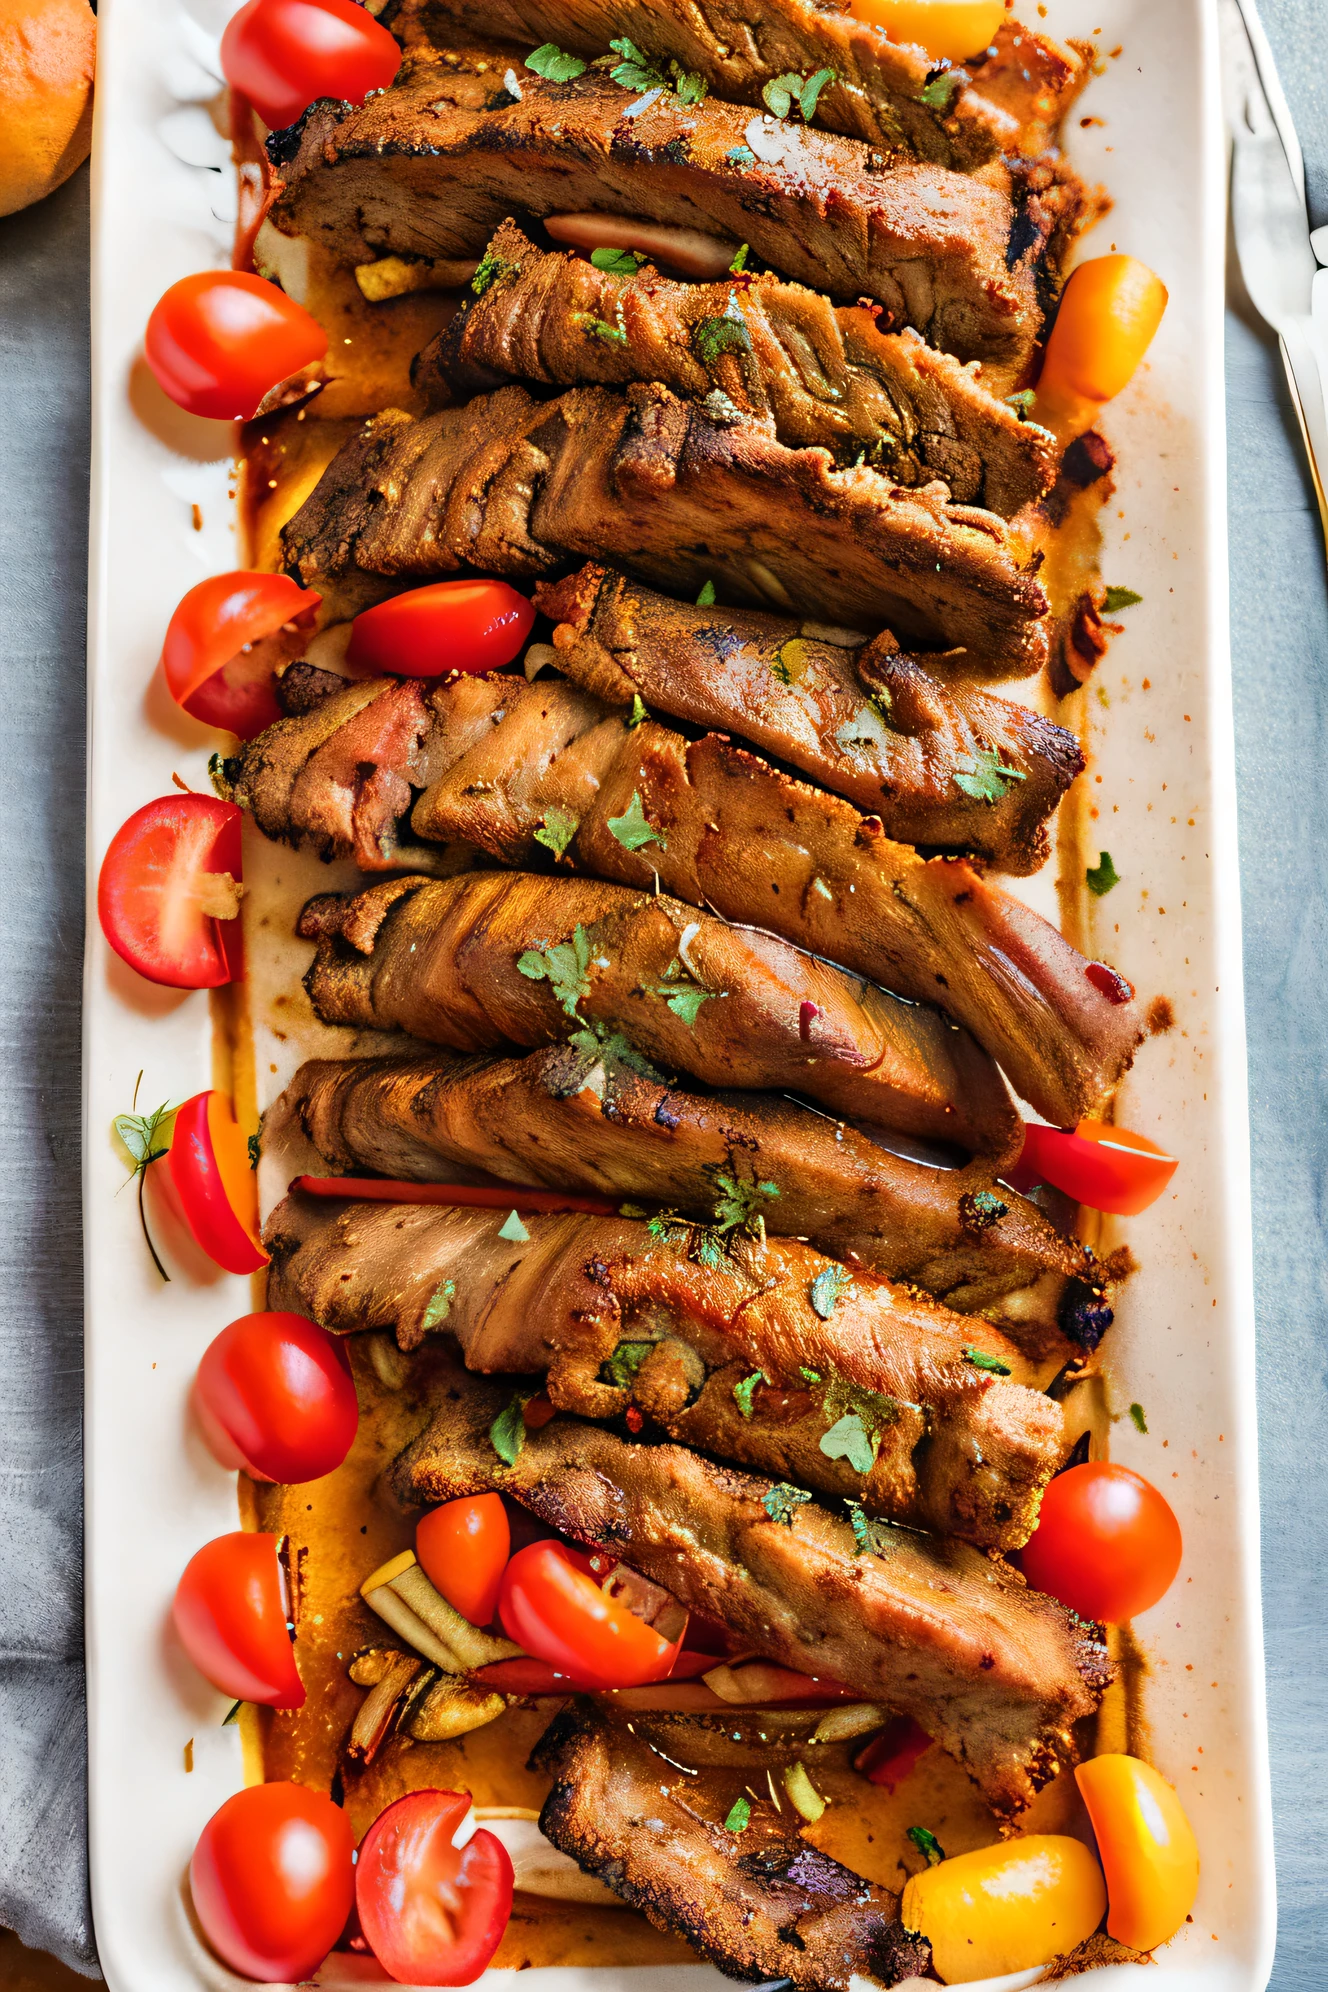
[
  {"x": 463, "y": 1549},
  {"x": 209, "y": 1165},
  {"x": 273, "y": 1882},
  {"x": 1106, "y": 1543},
  {"x": 166, "y": 896},
  {"x": 230, "y": 1613},
  {"x": 448, "y": 626},
  {"x": 1105, "y": 1167},
  {"x": 433, "y": 1912},
  {"x": 285, "y": 54},
  {"x": 557, "y": 1611},
  {"x": 224, "y": 641},
  {"x": 274, "y": 1395},
  {"x": 221, "y": 340}
]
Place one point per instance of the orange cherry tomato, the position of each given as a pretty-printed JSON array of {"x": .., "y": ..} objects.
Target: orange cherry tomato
[
  {"x": 219, "y": 341},
  {"x": 1105, "y": 1167},
  {"x": 433, "y": 1895},
  {"x": 448, "y": 626},
  {"x": 1106, "y": 1543},
  {"x": 166, "y": 894},
  {"x": 463, "y": 1549},
  {"x": 224, "y": 641},
  {"x": 1109, "y": 311},
  {"x": 274, "y": 1395},
  {"x": 949, "y": 30},
  {"x": 273, "y": 1881},
  {"x": 1147, "y": 1848},
  {"x": 557, "y": 1611},
  {"x": 209, "y": 1165},
  {"x": 285, "y": 54},
  {"x": 230, "y": 1613}
]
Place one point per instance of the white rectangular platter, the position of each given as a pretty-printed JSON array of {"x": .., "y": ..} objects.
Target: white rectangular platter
[{"x": 1162, "y": 788}]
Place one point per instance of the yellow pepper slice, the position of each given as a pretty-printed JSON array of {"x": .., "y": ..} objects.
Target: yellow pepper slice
[
  {"x": 1147, "y": 1848},
  {"x": 949, "y": 30},
  {"x": 1110, "y": 309},
  {"x": 1005, "y": 1908}
]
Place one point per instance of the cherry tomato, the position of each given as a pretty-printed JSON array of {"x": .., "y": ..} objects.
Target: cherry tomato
[
  {"x": 1109, "y": 310},
  {"x": 433, "y": 1896},
  {"x": 167, "y": 896},
  {"x": 1147, "y": 1848},
  {"x": 557, "y": 1611},
  {"x": 209, "y": 1165},
  {"x": 448, "y": 626},
  {"x": 1106, "y": 1543},
  {"x": 230, "y": 1613},
  {"x": 273, "y": 1881},
  {"x": 224, "y": 641},
  {"x": 463, "y": 1549},
  {"x": 274, "y": 1395},
  {"x": 1105, "y": 1167},
  {"x": 219, "y": 341},
  {"x": 949, "y": 30},
  {"x": 285, "y": 54}
]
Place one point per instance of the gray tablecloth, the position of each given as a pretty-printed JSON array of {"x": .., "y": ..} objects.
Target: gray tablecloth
[{"x": 1280, "y": 640}]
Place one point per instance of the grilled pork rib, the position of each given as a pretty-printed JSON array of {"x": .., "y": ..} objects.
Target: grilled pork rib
[
  {"x": 488, "y": 960},
  {"x": 870, "y": 723},
  {"x": 514, "y": 486},
  {"x": 939, "y": 1630},
  {"x": 773, "y": 352},
  {"x": 521, "y": 770},
  {"x": 760, "y": 1905},
  {"x": 720, "y": 1355}
]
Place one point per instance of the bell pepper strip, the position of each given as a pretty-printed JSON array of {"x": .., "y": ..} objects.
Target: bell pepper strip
[
  {"x": 1147, "y": 1848},
  {"x": 210, "y": 1168},
  {"x": 891, "y": 1754},
  {"x": 382, "y": 1189},
  {"x": 1106, "y": 1167}
]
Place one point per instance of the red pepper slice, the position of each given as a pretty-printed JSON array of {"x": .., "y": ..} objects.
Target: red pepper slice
[{"x": 1106, "y": 1167}]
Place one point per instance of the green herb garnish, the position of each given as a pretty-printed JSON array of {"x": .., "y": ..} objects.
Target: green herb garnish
[
  {"x": 736, "y": 1204},
  {"x": 981, "y": 1360},
  {"x": 513, "y": 1230},
  {"x": 490, "y": 268},
  {"x": 826, "y": 1288},
  {"x": 564, "y": 966},
  {"x": 638, "y": 713},
  {"x": 507, "y": 1433},
  {"x": 727, "y": 333},
  {"x": 928, "y": 1844},
  {"x": 782, "y": 1502},
  {"x": 938, "y": 91},
  {"x": 254, "y": 1146},
  {"x": 440, "y": 1305},
  {"x": 631, "y": 828},
  {"x": 1102, "y": 876},
  {"x": 706, "y": 598},
  {"x": 1140, "y": 1422},
  {"x": 781, "y": 93},
  {"x": 1022, "y": 403},
  {"x": 612, "y": 334},
  {"x": 740, "y": 155},
  {"x": 554, "y": 63},
  {"x": 145, "y": 1138},
  {"x": 739, "y": 263},
  {"x": 622, "y": 1366},
  {"x": 557, "y": 830},
  {"x": 986, "y": 777},
  {"x": 740, "y": 1813},
  {"x": 617, "y": 262},
  {"x": 1119, "y": 598},
  {"x": 744, "y": 1391},
  {"x": 869, "y": 1538}
]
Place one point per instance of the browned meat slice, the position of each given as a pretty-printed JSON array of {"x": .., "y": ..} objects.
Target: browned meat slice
[
  {"x": 430, "y": 167},
  {"x": 720, "y": 1354},
  {"x": 939, "y": 761},
  {"x": 754, "y": 346},
  {"x": 760, "y": 1904},
  {"x": 939, "y": 1630},
  {"x": 581, "y": 1117},
  {"x": 514, "y": 486},
  {"x": 488, "y": 959},
  {"x": 523, "y": 770}
]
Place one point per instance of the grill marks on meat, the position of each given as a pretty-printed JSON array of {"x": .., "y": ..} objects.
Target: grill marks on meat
[
  {"x": 495, "y": 756},
  {"x": 576, "y": 1118},
  {"x": 870, "y": 724},
  {"x": 770, "y": 351},
  {"x": 433, "y": 164},
  {"x": 733, "y": 1007},
  {"x": 512, "y": 486},
  {"x": 996, "y": 1673},
  {"x": 760, "y": 1905},
  {"x": 956, "y": 1449}
]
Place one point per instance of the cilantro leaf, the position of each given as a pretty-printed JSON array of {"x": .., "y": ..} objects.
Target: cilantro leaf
[
  {"x": 631, "y": 828},
  {"x": 1140, "y": 1421},
  {"x": 611, "y": 334},
  {"x": 826, "y": 1288},
  {"x": 736, "y": 1204},
  {"x": 507, "y": 1433},
  {"x": 145, "y": 1138},
  {"x": 928, "y": 1844},
  {"x": 638, "y": 713},
  {"x": 981, "y": 1360},
  {"x": 778, "y": 94},
  {"x": 1022, "y": 403},
  {"x": 557, "y": 830},
  {"x": 986, "y": 777},
  {"x": 635, "y": 71},
  {"x": 739, "y": 263},
  {"x": 622, "y": 1366},
  {"x": 782, "y": 1502},
  {"x": 938, "y": 90},
  {"x": 617, "y": 262},
  {"x": 869, "y": 1538},
  {"x": 550, "y": 61},
  {"x": 726, "y": 333},
  {"x": 688, "y": 86},
  {"x": 740, "y": 1813},
  {"x": 514, "y": 1231},
  {"x": 847, "y": 1439},
  {"x": 810, "y": 94},
  {"x": 1119, "y": 598},
  {"x": 1102, "y": 876},
  {"x": 706, "y": 598},
  {"x": 684, "y": 1000},
  {"x": 810, "y": 1375},
  {"x": 440, "y": 1305},
  {"x": 565, "y": 966},
  {"x": 744, "y": 1391}
]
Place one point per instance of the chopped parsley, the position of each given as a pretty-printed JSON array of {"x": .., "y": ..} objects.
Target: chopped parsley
[
  {"x": 622, "y": 1366},
  {"x": 938, "y": 91},
  {"x": 635, "y": 70},
  {"x": 706, "y": 598},
  {"x": 1102, "y": 876},
  {"x": 490, "y": 268},
  {"x": 1140, "y": 1421},
  {"x": 981, "y": 1360},
  {"x": 564, "y": 966},
  {"x": 986, "y": 777},
  {"x": 739, "y": 263},
  {"x": 809, "y": 1375},
  {"x": 513, "y": 1230},
  {"x": 617, "y": 262},
  {"x": 507, "y": 1433},
  {"x": 638, "y": 712},
  {"x": 826, "y": 1288},
  {"x": 744, "y": 1391},
  {"x": 614, "y": 335},
  {"x": 554, "y": 63},
  {"x": 848, "y": 1438},
  {"x": 557, "y": 830},
  {"x": 440, "y": 1305},
  {"x": 631, "y": 828},
  {"x": 682, "y": 996},
  {"x": 1119, "y": 598},
  {"x": 781, "y": 93},
  {"x": 727, "y": 333},
  {"x": 927, "y": 1844},
  {"x": 740, "y": 1813},
  {"x": 736, "y": 1204},
  {"x": 782, "y": 1502}
]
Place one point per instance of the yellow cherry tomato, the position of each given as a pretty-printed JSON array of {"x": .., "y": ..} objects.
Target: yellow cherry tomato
[
  {"x": 1005, "y": 1908},
  {"x": 1147, "y": 1849},
  {"x": 1110, "y": 309},
  {"x": 949, "y": 30}
]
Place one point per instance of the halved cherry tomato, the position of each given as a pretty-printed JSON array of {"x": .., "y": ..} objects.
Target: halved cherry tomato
[
  {"x": 888, "y": 1756},
  {"x": 1147, "y": 1849},
  {"x": 167, "y": 897},
  {"x": 433, "y": 1894},
  {"x": 285, "y": 54},
  {"x": 1106, "y": 1543},
  {"x": 230, "y": 1613},
  {"x": 1105, "y": 1167},
  {"x": 949, "y": 30},
  {"x": 274, "y": 1395},
  {"x": 273, "y": 1881},
  {"x": 209, "y": 1165},
  {"x": 448, "y": 626},
  {"x": 1109, "y": 310},
  {"x": 463, "y": 1549},
  {"x": 476, "y": 1196},
  {"x": 224, "y": 641},
  {"x": 558, "y": 1612},
  {"x": 219, "y": 341}
]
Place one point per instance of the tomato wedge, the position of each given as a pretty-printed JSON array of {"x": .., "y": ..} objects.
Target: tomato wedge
[
  {"x": 274, "y": 1395},
  {"x": 1107, "y": 1543},
  {"x": 433, "y": 1894},
  {"x": 218, "y": 342},
  {"x": 382, "y": 1189},
  {"x": 463, "y": 1549},
  {"x": 209, "y": 1165},
  {"x": 448, "y": 626},
  {"x": 1106, "y": 1167},
  {"x": 224, "y": 641},
  {"x": 167, "y": 894},
  {"x": 230, "y": 1613},
  {"x": 273, "y": 1881},
  {"x": 553, "y": 1607},
  {"x": 285, "y": 54}
]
